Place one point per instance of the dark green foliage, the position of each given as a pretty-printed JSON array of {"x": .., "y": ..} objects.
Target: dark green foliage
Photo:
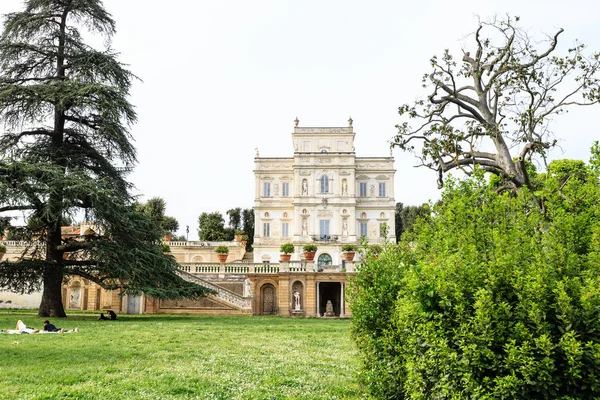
[
  {"x": 211, "y": 227},
  {"x": 248, "y": 226},
  {"x": 235, "y": 218},
  {"x": 155, "y": 208},
  {"x": 491, "y": 298},
  {"x": 406, "y": 217},
  {"x": 66, "y": 151}
]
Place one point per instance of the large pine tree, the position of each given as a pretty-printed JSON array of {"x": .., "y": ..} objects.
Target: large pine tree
[{"x": 65, "y": 152}]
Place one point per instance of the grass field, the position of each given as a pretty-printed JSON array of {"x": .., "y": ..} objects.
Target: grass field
[{"x": 179, "y": 357}]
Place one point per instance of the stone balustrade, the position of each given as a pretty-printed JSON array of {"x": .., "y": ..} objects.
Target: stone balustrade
[{"x": 239, "y": 268}]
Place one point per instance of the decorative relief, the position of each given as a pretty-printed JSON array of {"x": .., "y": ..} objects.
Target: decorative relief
[
  {"x": 382, "y": 177},
  {"x": 323, "y": 130},
  {"x": 324, "y": 213},
  {"x": 324, "y": 160},
  {"x": 344, "y": 173},
  {"x": 362, "y": 178},
  {"x": 305, "y": 173}
]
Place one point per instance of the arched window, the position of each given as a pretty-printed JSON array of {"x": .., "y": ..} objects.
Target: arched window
[
  {"x": 324, "y": 259},
  {"x": 324, "y": 184}
]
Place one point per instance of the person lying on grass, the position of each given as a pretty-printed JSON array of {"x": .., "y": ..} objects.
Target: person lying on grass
[{"x": 21, "y": 328}]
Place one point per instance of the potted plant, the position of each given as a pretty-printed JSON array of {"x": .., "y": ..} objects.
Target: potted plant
[
  {"x": 239, "y": 234},
  {"x": 286, "y": 249},
  {"x": 309, "y": 251},
  {"x": 168, "y": 236},
  {"x": 2, "y": 250},
  {"x": 244, "y": 240},
  {"x": 222, "y": 252},
  {"x": 349, "y": 251}
]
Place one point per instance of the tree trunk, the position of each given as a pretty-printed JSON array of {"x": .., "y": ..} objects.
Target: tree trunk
[{"x": 51, "y": 305}]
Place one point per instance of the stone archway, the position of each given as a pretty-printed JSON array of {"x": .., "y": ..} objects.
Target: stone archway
[{"x": 268, "y": 300}]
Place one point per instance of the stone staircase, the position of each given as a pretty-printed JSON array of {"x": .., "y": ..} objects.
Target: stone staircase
[{"x": 223, "y": 295}]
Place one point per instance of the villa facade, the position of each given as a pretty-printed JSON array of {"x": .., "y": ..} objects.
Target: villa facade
[{"x": 324, "y": 194}]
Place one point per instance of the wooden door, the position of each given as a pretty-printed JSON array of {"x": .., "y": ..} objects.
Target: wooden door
[{"x": 268, "y": 300}]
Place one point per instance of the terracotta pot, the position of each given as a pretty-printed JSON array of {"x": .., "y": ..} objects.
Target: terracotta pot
[
  {"x": 167, "y": 238},
  {"x": 243, "y": 242},
  {"x": 309, "y": 255},
  {"x": 238, "y": 238},
  {"x": 222, "y": 257},
  {"x": 285, "y": 257},
  {"x": 349, "y": 256}
]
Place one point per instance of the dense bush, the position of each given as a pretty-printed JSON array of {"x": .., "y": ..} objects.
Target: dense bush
[{"x": 490, "y": 297}]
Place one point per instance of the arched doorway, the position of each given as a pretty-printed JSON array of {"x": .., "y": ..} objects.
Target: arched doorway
[
  {"x": 268, "y": 299},
  {"x": 324, "y": 259}
]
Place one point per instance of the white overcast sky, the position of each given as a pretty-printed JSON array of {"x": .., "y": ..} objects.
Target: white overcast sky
[{"x": 221, "y": 78}]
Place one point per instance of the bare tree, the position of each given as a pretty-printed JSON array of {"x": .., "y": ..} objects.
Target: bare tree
[{"x": 493, "y": 109}]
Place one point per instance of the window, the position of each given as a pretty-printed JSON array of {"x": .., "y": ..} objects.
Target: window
[
  {"x": 324, "y": 229},
  {"x": 324, "y": 259},
  {"x": 323, "y": 150},
  {"x": 363, "y": 229},
  {"x": 267, "y": 189},
  {"x": 285, "y": 189},
  {"x": 381, "y": 189},
  {"x": 324, "y": 184},
  {"x": 362, "y": 186},
  {"x": 285, "y": 229},
  {"x": 266, "y": 229}
]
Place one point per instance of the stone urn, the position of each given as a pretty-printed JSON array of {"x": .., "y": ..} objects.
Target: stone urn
[
  {"x": 309, "y": 255},
  {"x": 349, "y": 256},
  {"x": 222, "y": 257}
]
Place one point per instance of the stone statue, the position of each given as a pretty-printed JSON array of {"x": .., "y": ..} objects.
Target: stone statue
[
  {"x": 344, "y": 187},
  {"x": 304, "y": 187},
  {"x": 372, "y": 190},
  {"x": 329, "y": 309},
  {"x": 296, "y": 301},
  {"x": 276, "y": 189},
  {"x": 247, "y": 288},
  {"x": 304, "y": 227},
  {"x": 345, "y": 227},
  {"x": 256, "y": 149}
]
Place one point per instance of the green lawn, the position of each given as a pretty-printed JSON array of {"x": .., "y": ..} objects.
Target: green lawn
[{"x": 179, "y": 357}]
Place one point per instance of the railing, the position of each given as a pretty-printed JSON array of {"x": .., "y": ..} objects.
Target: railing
[
  {"x": 229, "y": 268},
  {"x": 197, "y": 243},
  {"x": 221, "y": 292}
]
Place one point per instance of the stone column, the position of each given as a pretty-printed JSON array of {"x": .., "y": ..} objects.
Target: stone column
[
  {"x": 284, "y": 295},
  {"x": 310, "y": 300}
]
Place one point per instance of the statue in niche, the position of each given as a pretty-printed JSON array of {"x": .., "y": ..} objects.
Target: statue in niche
[
  {"x": 276, "y": 189},
  {"x": 344, "y": 187},
  {"x": 247, "y": 288},
  {"x": 329, "y": 309},
  {"x": 304, "y": 227},
  {"x": 372, "y": 190},
  {"x": 296, "y": 301},
  {"x": 345, "y": 227},
  {"x": 304, "y": 187}
]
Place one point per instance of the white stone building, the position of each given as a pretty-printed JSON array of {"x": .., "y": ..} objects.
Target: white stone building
[{"x": 324, "y": 195}]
